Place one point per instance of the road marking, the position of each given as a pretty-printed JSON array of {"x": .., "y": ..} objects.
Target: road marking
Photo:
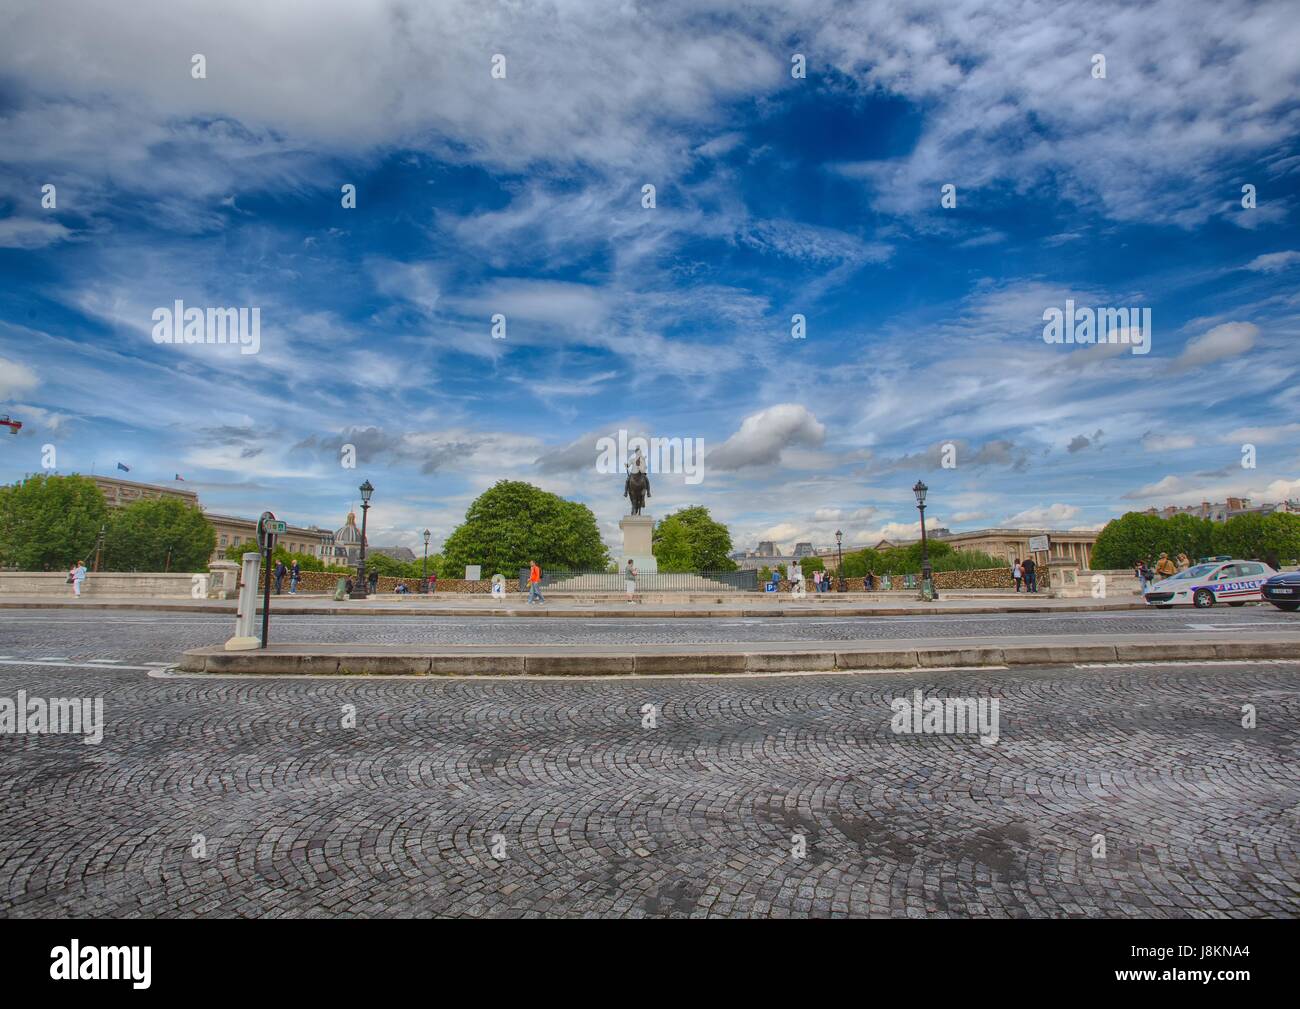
[
  {"x": 1231, "y": 627},
  {"x": 75, "y": 665},
  {"x": 1187, "y": 662}
]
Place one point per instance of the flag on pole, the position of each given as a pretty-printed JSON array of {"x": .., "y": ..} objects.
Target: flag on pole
[
  {"x": 179, "y": 477},
  {"x": 124, "y": 467}
]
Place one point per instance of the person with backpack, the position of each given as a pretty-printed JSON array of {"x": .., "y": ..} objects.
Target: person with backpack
[
  {"x": 535, "y": 583},
  {"x": 280, "y": 570},
  {"x": 1031, "y": 574}
]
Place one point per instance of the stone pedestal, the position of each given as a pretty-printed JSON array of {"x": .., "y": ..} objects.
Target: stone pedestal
[{"x": 638, "y": 534}]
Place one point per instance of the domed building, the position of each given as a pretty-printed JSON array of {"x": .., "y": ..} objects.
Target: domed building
[{"x": 347, "y": 542}]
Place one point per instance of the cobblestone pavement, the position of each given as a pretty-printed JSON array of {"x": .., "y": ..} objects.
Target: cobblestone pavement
[
  {"x": 596, "y": 814},
  {"x": 162, "y": 637}
]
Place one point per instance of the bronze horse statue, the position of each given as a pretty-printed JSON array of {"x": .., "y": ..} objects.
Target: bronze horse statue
[{"x": 637, "y": 489}]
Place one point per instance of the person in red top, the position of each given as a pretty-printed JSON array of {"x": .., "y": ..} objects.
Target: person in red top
[{"x": 534, "y": 583}]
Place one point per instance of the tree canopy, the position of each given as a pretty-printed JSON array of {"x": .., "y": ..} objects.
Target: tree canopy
[
  {"x": 907, "y": 560},
  {"x": 48, "y": 522},
  {"x": 158, "y": 534},
  {"x": 1140, "y": 536},
  {"x": 514, "y": 522},
  {"x": 690, "y": 540}
]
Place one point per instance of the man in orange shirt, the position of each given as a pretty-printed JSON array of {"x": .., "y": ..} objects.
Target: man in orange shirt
[{"x": 534, "y": 583}]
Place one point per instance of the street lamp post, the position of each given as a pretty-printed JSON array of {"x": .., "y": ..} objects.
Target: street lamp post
[
  {"x": 927, "y": 582},
  {"x": 839, "y": 563},
  {"x": 424, "y": 567},
  {"x": 360, "y": 588}
]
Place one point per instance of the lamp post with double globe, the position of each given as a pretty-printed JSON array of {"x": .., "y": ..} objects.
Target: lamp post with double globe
[
  {"x": 359, "y": 591},
  {"x": 424, "y": 567},
  {"x": 927, "y": 581},
  {"x": 839, "y": 563}
]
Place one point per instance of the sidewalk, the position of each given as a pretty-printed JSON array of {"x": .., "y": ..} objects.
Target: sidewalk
[
  {"x": 847, "y": 605},
  {"x": 746, "y": 657}
]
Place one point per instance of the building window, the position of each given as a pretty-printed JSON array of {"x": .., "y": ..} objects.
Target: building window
[{"x": 224, "y": 537}]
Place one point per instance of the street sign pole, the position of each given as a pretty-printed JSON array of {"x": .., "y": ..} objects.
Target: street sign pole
[{"x": 267, "y": 527}]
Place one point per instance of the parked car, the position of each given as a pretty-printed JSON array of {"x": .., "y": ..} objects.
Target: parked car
[
  {"x": 1233, "y": 582},
  {"x": 1283, "y": 591}
]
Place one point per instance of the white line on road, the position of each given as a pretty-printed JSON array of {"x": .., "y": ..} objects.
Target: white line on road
[
  {"x": 1187, "y": 662},
  {"x": 76, "y": 665}
]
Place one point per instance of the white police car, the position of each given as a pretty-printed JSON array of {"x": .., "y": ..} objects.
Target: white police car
[{"x": 1233, "y": 582}]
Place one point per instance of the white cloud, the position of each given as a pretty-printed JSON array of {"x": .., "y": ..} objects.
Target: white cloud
[
  {"x": 1154, "y": 441},
  {"x": 15, "y": 378},
  {"x": 763, "y": 435},
  {"x": 1273, "y": 262},
  {"x": 1046, "y": 517},
  {"x": 26, "y": 233},
  {"x": 1231, "y": 339}
]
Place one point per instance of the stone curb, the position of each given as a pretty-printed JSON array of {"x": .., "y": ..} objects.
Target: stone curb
[{"x": 215, "y": 660}]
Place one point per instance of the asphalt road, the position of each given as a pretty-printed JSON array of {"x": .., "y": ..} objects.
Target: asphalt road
[
  {"x": 159, "y": 639},
  {"x": 766, "y": 797}
]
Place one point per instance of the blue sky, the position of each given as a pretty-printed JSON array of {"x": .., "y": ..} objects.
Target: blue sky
[{"x": 775, "y": 196}]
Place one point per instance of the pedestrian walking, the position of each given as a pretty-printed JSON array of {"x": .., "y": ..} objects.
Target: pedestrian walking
[
  {"x": 1031, "y": 574},
  {"x": 295, "y": 576},
  {"x": 78, "y": 577},
  {"x": 433, "y": 582},
  {"x": 1140, "y": 572},
  {"x": 629, "y": 580},
  {"x": 372, "y": 582},
  {"x": 535, "y": 583},
  {"x": 280, "y": 570},
  {"x": 1017, "y": 572}
]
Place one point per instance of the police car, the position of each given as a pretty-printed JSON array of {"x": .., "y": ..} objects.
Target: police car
[{"x": 1202, "y": 585}]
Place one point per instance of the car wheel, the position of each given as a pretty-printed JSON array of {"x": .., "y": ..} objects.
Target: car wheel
[
  {"x": 1203, "y": 599},
  {"x": 1288, "y": 607}
]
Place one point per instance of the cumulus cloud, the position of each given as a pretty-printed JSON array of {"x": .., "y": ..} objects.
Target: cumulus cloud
[
  {"x": 1232, "y": 339},
  {"x": 764, "y": 435}
]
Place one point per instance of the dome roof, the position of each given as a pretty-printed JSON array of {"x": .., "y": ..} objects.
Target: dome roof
[{"x": 349, "y": 534}]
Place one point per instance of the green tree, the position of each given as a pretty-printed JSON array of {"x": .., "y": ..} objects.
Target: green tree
[
  {"x": 308, "y": 562},
  {"x": 672, "y": 547},
  {"x": 690, "y": 540},
  {"x": 1255, "y": 536},
  {"x": 1128, "y": 539},
  {"x": 158, "y": 534},
  {"x": 513, "y": 522},
  {"x": 47, "y": 522},
  {"x": 810, "y": 564}
]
